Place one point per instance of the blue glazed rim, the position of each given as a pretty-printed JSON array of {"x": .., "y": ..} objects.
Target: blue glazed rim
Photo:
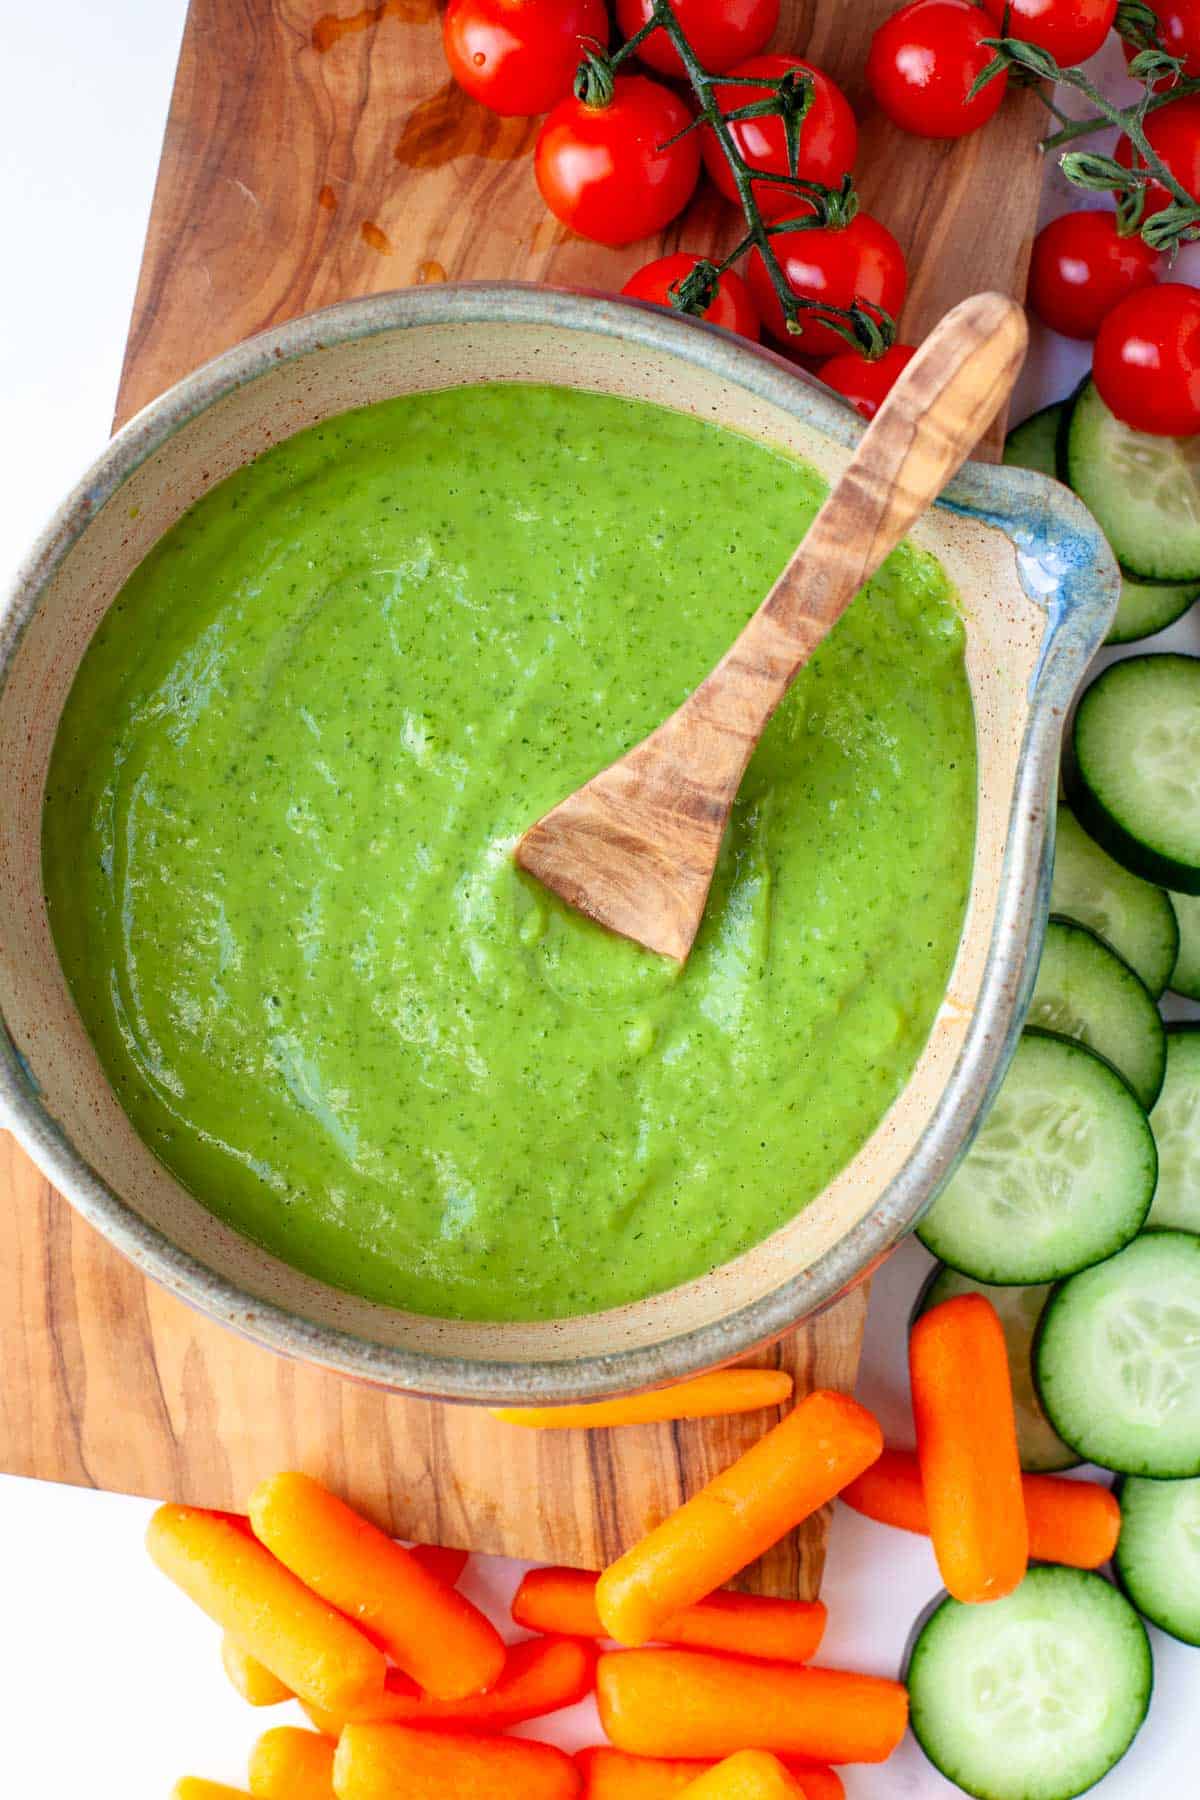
[{"x": 1064, "y": 565}]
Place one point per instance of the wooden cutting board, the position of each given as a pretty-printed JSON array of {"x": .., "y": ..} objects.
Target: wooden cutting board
[{"x": 309, "y": 157}]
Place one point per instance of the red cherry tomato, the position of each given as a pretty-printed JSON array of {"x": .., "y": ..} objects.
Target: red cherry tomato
[
  {"x": 861, "y": 262},
  {"x": 922, "y": 63},
  {"x": 520, "y": 56},
  {"x": 1179, "y": 29},
  {"x": 1071, "y": 30},
  {"x": 608, "y": 171},
  {"x": 828, "y": 137},
  {"x": 865, "y": 383},
  {"x": 732, "y": 308},
  {"x": 1081, "y": 267},
  {"x": 1147, "y": 360},
  {"x": 1173, "y": 133},
  {"x": 721, "y": 32}
]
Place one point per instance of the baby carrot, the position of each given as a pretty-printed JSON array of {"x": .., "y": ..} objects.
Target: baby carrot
[
  {"x": 805, "y": 1460},
  {"x": 967, "y": 1448},
  {"x": 615, "y": 1775},
  {"x": 564, "y": 1600},
  {"x": 686, "y": 1703},
  {"x": 725, "y": 1391},
  {"x": 746, "y": 1775},
  {"x": 256, "y": 1685},
  {"x": 393, "y": 1762},
  {"x": 432, "y": 1632},
  {"x": 305, "y": 1644},
  {"x": 289, "y": 1764},
  {"x": 441, "y": 1560},
  {"x": 192, "y": 1787},
  {"x": 539, "y": 1676},
  {"x": 1071, "y": 1522}
]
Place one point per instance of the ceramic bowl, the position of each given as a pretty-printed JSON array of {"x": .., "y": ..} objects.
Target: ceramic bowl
[{"x": 1037, "y": 588}]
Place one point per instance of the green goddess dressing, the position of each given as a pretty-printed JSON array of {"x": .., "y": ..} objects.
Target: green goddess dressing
[{"x": 278, "y": 854}]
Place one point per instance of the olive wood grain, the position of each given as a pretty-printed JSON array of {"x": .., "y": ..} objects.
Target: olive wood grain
[
  {"x": 316, "y": 149},
  {"x": 635, "y": 848}
]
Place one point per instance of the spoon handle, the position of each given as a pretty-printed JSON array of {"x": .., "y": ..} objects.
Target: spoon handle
[
  {"x": 922, "y": 434},
  {"x": 635, "y": 847}
]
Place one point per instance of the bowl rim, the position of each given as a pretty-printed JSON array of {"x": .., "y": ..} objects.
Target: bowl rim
[{"x": 1030, "y": 509}]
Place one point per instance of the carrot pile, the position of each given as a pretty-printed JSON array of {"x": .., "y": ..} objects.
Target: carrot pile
[{"x": 410, "y": 1688}]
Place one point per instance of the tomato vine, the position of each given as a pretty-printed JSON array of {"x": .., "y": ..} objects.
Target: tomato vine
[
  {"x": 868, "y": 330},
  {"x": 1167, "y": 227}
]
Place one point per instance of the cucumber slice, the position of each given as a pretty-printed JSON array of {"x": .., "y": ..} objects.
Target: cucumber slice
[
  {"x": 1033, "y": 443},
  {"x": 1131, "y": 915},
  {"x": 1185, "y": 976},
  {"x": 1035, "y": 1696},
  {"x": 1061, "y": 1174},
  {"x": 1143, "y": 491},
  {"x": 1117, "y": 1360},
  {"x": 1084, "y": 991},
  {"x": 1145, "y": 608},
  {"x": 1019, "y": 1309},
  {"x": 1158, "y": 1553},
  {"x": 1135, "y": 780},
  {"x": 1175, "y": 1123}
]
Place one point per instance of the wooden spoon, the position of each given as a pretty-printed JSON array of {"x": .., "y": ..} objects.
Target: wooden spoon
[{"x": 635, "y": 847}]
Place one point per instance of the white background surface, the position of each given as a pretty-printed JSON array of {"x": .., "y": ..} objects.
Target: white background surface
[{"x": 110, "y": 1680}]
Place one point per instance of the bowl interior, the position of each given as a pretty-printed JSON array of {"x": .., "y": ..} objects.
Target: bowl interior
[{"x": 175, "y": 453}]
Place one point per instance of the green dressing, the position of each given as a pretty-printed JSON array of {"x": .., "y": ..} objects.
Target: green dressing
[{"x": 278, "y": 835}]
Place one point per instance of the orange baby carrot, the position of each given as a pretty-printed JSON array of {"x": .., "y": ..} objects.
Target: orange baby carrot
[
  {"x": 687, "y": 1703},
  {"x": 746, "y": 1775},
  {"x": 615, "y": 1775},
  {"x": 289, "y": 1764},
  {"x": 254, "y": 1683},
  {"x": 432, "y": 1632},
  {"x": 564, "y": 1600},
  {"x": 725, "y": 1391},
  {"x": 967, "y": 1447},
  {"x": 1071, "y": 1522},
  {"x": 539, "y": 1676},
  {"x": 193, "y": 1787},
  {"x": 305, "y": 1644},
  {"x": 393, "y": 1762},
  {"x": 441, "y": 1560},
  {"x": 822, "y": 1444}
]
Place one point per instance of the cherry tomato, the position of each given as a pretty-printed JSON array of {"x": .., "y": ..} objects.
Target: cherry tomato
[
  {"x": 922, "y": 63},
  {"x": 608, "y": 171},
  {"x": 1081, "y": 267},
  {"x": 732, "y": 308},
  {"x": 1071, "y": 30},
  {"x": 721, "y": 32},
  {"x": 1179, "y": 29},
  {"x": 861, "y": 262},
  {"x": 1147, "y": 360},
  {"x": 862, "y": 382},
  {"x": 520, "y": 56},
  {"x": 828, "y": 137},
  {"x": 1173, "y": 132}
]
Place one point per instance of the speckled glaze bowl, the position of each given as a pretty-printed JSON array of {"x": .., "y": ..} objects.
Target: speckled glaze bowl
[{"x": 1037, "y": 586}]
